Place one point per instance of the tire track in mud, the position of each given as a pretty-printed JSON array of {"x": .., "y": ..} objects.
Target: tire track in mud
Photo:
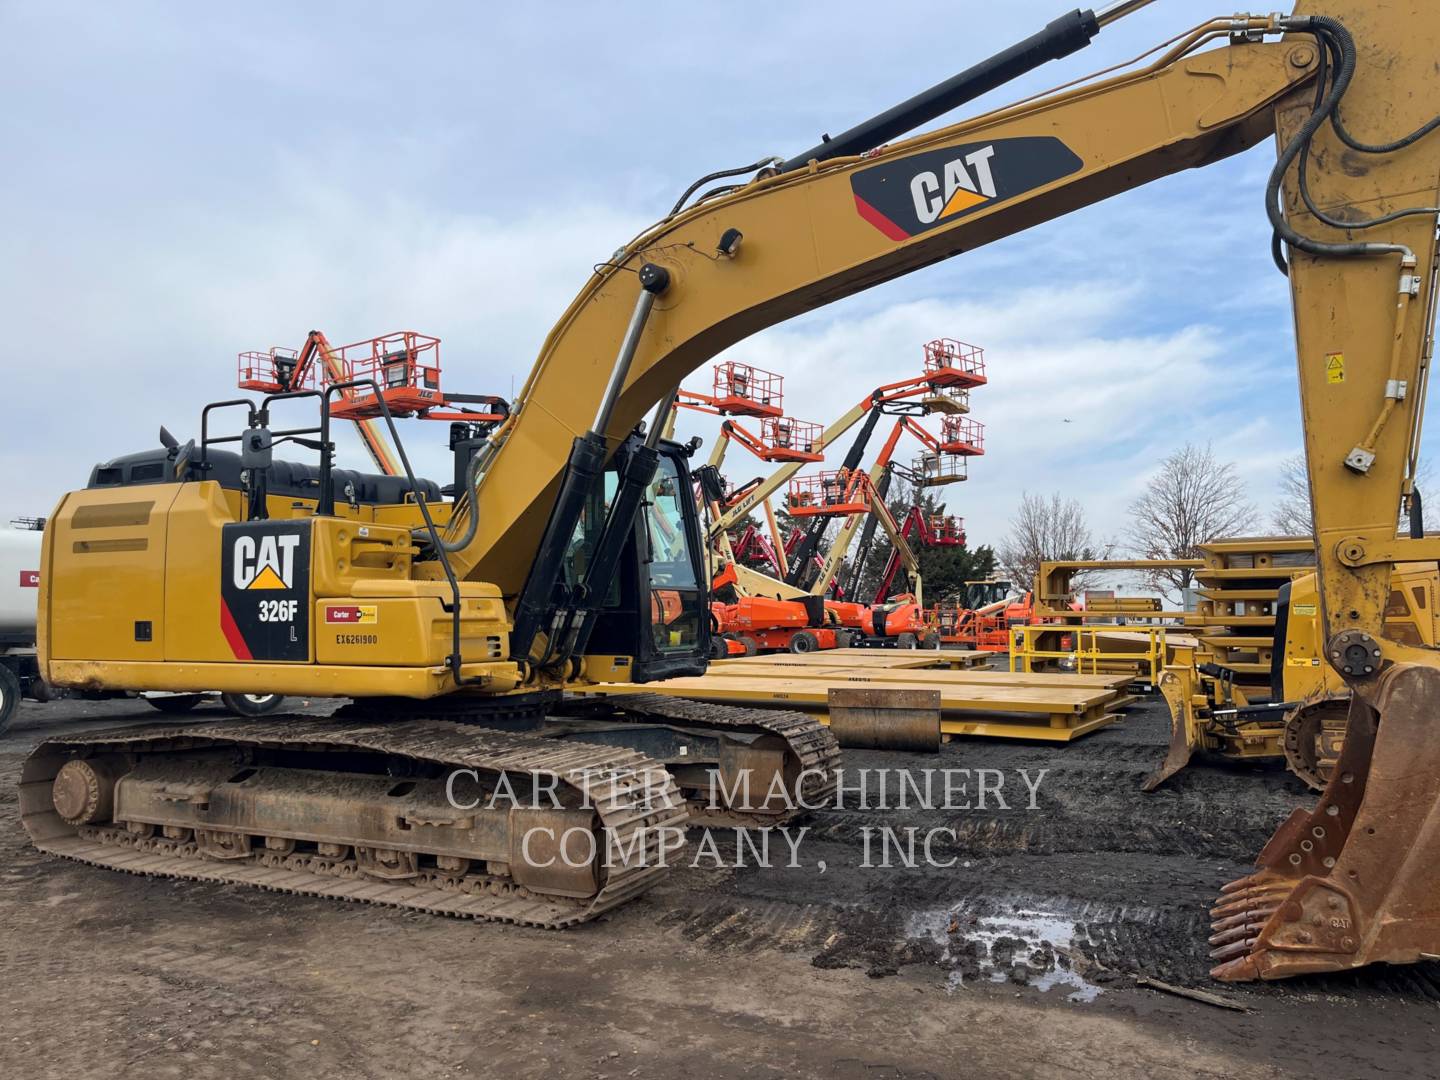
[{"x": 1100, "y": 877}]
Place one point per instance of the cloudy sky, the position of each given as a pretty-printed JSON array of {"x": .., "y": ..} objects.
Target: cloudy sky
[{"x": 187, "y": 181}]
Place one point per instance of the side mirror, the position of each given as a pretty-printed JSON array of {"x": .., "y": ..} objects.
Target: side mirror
[
  {"x": 168, "y": 441},
  {"x": 182, "y": 459}
]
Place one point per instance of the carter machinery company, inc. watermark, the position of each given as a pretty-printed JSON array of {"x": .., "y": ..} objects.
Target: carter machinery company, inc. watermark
[{"x": 870, "y": 790}]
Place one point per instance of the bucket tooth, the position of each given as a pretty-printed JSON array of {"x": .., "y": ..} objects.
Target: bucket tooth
[
  {"x": 1242, "y": 969},
  {"x": 1250, "y": 900},
  {"x": 1239, "y": 948},
  {"x": 1247, "y": 882},
  {"x": 1245, "y": 931},
  {"x": 1256, "y": 917}
]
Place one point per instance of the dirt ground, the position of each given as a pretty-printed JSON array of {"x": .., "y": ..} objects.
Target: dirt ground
[{"x": 1017, "y": 961}]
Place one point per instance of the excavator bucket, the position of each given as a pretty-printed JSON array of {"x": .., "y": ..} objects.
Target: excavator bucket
[{"x": 1356, "y": 880}]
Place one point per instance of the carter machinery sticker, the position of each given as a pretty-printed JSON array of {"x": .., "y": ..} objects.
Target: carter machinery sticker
[
  {"x": 265, "y": 590},
  {"x": 919, "y": 192},
  {"x": 352, "y": 614},
  {"x": 29, "y": 579}
]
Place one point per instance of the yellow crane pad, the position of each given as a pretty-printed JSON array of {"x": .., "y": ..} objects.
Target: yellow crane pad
[{"x": 1047, "y": 712}]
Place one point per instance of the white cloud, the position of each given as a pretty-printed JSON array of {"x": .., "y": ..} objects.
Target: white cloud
[
  {"x": 150, "y": 338},
  {"x": 1074, "y": 403}
]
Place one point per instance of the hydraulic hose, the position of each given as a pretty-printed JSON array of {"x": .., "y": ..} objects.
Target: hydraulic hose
[
  {"x": 721, "y": 175},
  {"x": 1332, "y": 47},
  {"x": 472, "y": 523},
  {"x": 1320, "y": 26}
]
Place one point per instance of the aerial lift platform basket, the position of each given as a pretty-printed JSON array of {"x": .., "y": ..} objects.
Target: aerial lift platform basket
[
  {"x": 947, "y": 400},
  {"x": 838, "y": 493},
  {"x": 273, "y": 372},
  {"x": 742, "y": 390},
  {"x": 782, "y": 439},
  {"x": 405, "y": 366},
  {"x": 951, "y": 363},
  {"x": 962, "y": 436},
  {"x": 943, "y": 530},
  {"x": 787, "y": 439},
  {"x": 933, "y": 469}
]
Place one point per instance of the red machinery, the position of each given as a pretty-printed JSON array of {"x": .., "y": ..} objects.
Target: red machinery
[
  {"x": 755, "y": 545},
  {"x": 931, "y": 530}
]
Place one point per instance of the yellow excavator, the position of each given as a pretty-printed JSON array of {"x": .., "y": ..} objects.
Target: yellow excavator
[{"x": 548, "y": 572}]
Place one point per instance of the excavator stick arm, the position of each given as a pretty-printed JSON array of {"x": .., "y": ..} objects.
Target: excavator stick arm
[{"x": 1355, "y": 880}]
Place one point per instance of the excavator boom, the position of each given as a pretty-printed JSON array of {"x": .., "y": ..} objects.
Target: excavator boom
[{"x": 798, "y": 240}]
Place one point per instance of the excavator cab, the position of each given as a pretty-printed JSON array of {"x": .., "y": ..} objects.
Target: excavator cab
[{"x": 656, "y": 609}]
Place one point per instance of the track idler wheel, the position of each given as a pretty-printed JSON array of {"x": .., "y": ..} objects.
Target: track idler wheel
[
  {"x": 1356, "y": 880},
  {"x": 1314, "y": 735},
  {"x": 84, "y": 791}
]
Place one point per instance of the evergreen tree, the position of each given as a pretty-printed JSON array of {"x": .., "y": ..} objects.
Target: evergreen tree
[{"x": 944, "y": 568}]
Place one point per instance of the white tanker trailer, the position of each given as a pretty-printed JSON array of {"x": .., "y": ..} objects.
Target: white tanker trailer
[
  {"x": 19, "y": 586},
  {"x": 19, "y": 669}
]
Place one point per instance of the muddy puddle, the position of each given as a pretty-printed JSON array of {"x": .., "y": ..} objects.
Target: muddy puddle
[{"x": 1018, "y": 942}]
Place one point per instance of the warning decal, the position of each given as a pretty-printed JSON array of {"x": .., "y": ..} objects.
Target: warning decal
[{"x": 1334, "y": 367}]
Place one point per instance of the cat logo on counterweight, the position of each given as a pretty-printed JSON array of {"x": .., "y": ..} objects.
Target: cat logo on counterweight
[
  {"x": 265, "y": 595},
  {"x": 265, "y": 562}
]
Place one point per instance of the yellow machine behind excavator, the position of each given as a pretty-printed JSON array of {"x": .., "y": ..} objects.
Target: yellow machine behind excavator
[
  {"x": 1302, "y": 718},
  {"x": 573, "y": 552}
]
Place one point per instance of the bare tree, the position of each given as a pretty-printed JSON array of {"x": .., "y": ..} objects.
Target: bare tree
[
  {"x": 1044, "y": 530},
  {"x": 1291, "y": 515},
  {"x": 1191, "y": 499}
]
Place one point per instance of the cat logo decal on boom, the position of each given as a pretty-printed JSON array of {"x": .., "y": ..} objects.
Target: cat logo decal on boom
[{"x": 914, "y": 194}]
